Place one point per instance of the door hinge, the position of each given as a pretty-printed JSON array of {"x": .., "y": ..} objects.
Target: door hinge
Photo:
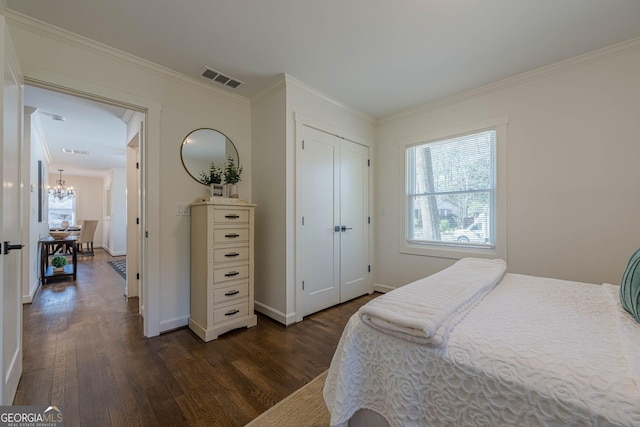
[
  {"x": 303, "y": 285},
  {"x": 137, "y": 276},
  {"x": 302, "y": 220},
  {"x": 137, "y": 165},
  {"x": 369, "y": 269},
  {"x": 138, "y": 221},
  {"x": 368, "y": 162},
  {"x": 368, "y": 220},
  {"x": 146, "y": 234},
  {"x": 303, "y": 144}
]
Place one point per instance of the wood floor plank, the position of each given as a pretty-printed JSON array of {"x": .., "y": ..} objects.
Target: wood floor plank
[{"x": 84, "y": 350}]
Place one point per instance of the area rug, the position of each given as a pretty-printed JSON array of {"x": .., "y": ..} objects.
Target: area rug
[
  {"x": 305, "y": 407},
  {"x": 120, "y": 266}
]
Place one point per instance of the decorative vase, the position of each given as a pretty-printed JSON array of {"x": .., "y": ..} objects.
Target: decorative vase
[
  {"x": 233, "y": 191},
  {"x": 65, "y": 224}
]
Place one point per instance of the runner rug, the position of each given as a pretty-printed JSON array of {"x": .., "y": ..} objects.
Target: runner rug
[{"x": 120, "y": 266}]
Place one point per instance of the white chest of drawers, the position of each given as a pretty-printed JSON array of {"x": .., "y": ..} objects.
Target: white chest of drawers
[{"x": 221, "y": 268}]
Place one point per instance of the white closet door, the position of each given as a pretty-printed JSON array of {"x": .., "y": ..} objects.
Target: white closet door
[
  {"x": 354, "y": 220},
  {"x": 319, "y": 242},
  {"x": 333, "y": 246}
]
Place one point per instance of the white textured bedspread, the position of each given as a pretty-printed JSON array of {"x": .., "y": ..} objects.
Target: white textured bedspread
[{"x": 534, "y": 352}]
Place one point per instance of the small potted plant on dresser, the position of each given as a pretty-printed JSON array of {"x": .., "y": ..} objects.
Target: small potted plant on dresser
[
  {"x": 232, "y": 174},
  {"x": 58, "y": 262}
]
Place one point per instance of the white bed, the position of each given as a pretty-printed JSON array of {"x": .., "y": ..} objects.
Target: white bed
[{"x": 532, "y": 351}]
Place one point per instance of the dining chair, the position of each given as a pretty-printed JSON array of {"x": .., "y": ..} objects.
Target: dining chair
[{"x": 87, "y": 233}]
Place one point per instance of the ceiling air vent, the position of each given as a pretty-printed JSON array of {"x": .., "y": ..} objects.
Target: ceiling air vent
[{"x": 218, "y": 77}]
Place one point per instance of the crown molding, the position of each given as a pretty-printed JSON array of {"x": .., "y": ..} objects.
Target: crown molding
[
  {"x": 292, "y": 81},
  {"x": 39, "y": 130},
  {"x": 275, "y": 86},
  {"x": 285, "y": 80},
  {"x": 519, "y": 79},
  {"x": 21, "y": 21}
]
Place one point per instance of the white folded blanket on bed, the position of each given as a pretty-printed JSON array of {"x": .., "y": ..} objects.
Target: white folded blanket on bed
[{"x": 427, "y": 310}]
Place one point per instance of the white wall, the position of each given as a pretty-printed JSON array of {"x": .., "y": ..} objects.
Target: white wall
[
  {"x": 268, "y": 189},
  {"x": 115, "y": 221},
  {"x": 274, "y": 182},
  {"x": 573, "y": 172},
  {"x": 89, "y": 202},
  {"x": 33, "y": 151},
  {"x": 51, "y": 55}
]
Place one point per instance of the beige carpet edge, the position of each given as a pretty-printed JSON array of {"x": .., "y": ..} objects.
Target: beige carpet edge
[{"x": 303, "y": 407}]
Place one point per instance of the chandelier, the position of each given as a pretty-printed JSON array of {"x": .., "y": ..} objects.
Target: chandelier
[{"x": 60, "y": 191}]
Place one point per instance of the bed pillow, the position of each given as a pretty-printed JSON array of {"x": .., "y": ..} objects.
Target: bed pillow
[{"x": 630, "y": 286}]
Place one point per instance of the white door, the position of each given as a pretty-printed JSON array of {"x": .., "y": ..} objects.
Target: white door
[
  {"x": 319, "y": 241},
  {"x": 334, "y": 234},
  {"x": 354, "y": 220},
  {"x": 10, "y": 220}
]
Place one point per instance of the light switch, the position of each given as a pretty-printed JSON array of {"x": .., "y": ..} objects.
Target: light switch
[{"x": 183, "y": 209}]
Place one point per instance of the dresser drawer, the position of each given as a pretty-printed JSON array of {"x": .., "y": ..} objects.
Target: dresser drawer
[
  {"x": 229, "y": 235},
  {"x": 231, "y": 216},
  {"x": 230, "y": 273},
  {"x": 240, "y": 253},
  {"x": 222, "y": 295},
  {"x": 232, "y": 312}
]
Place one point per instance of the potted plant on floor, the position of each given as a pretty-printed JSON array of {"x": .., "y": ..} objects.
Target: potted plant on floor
[{"x": 58, "y": 262}]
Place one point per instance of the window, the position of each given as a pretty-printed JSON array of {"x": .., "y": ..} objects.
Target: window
[
  {"x": 61, "y": 210},
  {"x": 452, "y": 200}
]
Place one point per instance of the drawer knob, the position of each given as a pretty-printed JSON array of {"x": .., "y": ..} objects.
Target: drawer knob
[
  {"x": 231, "y": 274},
  {"x": 232, "y": 235},
  {"x": 232, "y": 216},
  {"x": 231, "y": 293},
  {"x": 232, "y": 254},
  {"x": 232, "y": 312}
]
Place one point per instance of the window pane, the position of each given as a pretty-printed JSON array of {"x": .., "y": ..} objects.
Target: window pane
[
  {"x": 450, "y": 190},
  {"x": 61, "y": 210}
]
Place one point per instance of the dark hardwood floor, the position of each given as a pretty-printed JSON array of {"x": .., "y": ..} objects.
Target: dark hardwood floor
[{"x": 84, "y": 350}]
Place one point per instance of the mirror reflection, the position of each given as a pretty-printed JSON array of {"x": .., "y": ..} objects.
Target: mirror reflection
[{"x": 203, "y": 146}]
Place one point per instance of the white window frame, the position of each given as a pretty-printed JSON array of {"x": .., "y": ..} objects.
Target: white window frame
[
  {"x": 452, "y": 250},
  {"x": 74, "y": 209}
]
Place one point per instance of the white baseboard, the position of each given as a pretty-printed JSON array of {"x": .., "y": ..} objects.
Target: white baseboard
[
  {"x": 377, "y": 287},
  {"x": 178, "y": 322},
  {"x": 276, "y": 315},
  {"x": 113, "y": 253},
  {"x": 28, "y": 299}
]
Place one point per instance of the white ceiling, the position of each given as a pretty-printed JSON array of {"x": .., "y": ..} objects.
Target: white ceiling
[
  {"x": 379, "y": 56},
  {"x": 92, "y": 127}
]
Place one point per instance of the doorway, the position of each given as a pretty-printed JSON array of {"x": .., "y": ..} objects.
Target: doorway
[{"x": 135, "y": 118}]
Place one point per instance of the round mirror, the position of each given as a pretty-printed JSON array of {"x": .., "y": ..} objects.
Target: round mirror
[{"x": 205, "y": 146}]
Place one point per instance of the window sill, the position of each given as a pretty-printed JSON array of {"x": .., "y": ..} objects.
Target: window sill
[{"x": 449, "y": 251}]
